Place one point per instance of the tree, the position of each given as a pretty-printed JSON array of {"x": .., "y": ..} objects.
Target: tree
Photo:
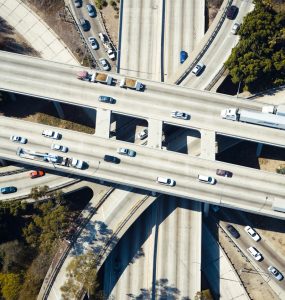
[
  {"x": 10, "y": 285},
  {"x": 39, "y": 192},
  {"x": 82, "y": 274}
]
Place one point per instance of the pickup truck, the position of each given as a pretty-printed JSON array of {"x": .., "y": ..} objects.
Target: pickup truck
[
  {"x": 51, "y": 134},
  {"x": 96, "y": 77}
]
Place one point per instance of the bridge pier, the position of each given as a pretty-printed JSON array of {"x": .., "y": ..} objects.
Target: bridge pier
[
  {"x": 103, "y": 121},
  {"x": 259, "y": 149},
  {"x": 3, "y": 162},
  {"x": 58, "y": 109},
  {"x": 208, "y": 144},
  {"x": 154, "y": 133}
]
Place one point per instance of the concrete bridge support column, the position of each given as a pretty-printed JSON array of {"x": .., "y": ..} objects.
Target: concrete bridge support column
[
  {"x": 59, "y": 109},
  {"x": 154, "y": 134},
  {"x": 208, "y": 144},
  {"x": 259, "y": 149},
  {"x": 206, "y": 208},
  {"x": 103, "y": 121}
]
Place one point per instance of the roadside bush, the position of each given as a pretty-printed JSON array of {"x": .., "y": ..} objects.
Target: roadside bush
[{"x": 280, "y": 170}]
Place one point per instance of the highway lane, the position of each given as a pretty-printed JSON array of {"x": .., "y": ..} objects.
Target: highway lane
[
  {"x": 59, "y": 82},
  {"x": 220, "y": 49},
  {"x": 184, "y": 28},
  {"x": 246, "y": 190},
  {"x": 24, "y": 183},
  {"x": 140, "y": 50}
]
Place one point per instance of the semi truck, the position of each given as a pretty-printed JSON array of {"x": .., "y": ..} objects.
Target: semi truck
[
  {"x": 95, "y": 77},
  {"x": 47, "y": 157},
  {"x": 272, "y": 120},
  {"x": 275, "y": 110},
  {"x": 131, "y": 83}
]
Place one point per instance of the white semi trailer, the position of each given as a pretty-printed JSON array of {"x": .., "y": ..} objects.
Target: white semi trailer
[{"x": 274, "y": 119}]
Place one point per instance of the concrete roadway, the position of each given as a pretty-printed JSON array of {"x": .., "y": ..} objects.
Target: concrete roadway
[
  {"x": 246, "y": 190},
  {"x": 153, "y": 35},
  {"x": 95, "y": 28},
  {"x": 184, "y": 29},
  {"x": 220, "y": 49},
  {"x": 51, "y": 80}
]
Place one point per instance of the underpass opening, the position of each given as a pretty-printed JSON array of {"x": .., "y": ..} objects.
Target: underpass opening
[
  {"x": 182, "y": 140},
  {"x": 251, "y": 154},
  {"x": 48, "y": 112},
  {"x": 129, "y": 129}
]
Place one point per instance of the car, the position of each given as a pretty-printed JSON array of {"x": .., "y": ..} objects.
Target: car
[
  {"x": 57, "y": 147},
  {"x": 85, "y": 25},
  {"x": 102, "y": 37},
  {"x": 51, "y": 134},
  {"x": 224, "y": 173},
  {"x": 18, "y": 139},
  {"x": 232, "y": 12},
  {"x": 198, "y": 69},
  {"x": 8, "y": 190},
  {"x": 206, "y": 179},
  {"x": 143, "y": 134},
  {"x": 106, "y": 99},
  {"x": 252, "y": 233},
  {"x": 93, "y": 42},
  {"x": 233, "y": 231},
  {"x": 165, "y": 181},
  {"x": 78, "y": 3},
  {"x": 235, "y": 28},
  {"x": 275, "y": 273},
  {"x": 112, "y": 159},
  {"x": 127, "y": 152},
  {"x": 104, "y": 63},
  {"x": 179, "y": 115},
  {"x": 111, "y": 54},
  {"x": 253, "y": 251},
  {"x": 91, "y": 10},
  {"x": 183, "y": 56},
  {"x": 36, "y": 174}
]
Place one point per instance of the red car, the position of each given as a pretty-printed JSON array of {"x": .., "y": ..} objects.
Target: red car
[{"x": 36, "y": 174}]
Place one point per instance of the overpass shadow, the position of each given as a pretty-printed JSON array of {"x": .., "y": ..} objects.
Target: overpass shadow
[{"x": 129, "y": 249}]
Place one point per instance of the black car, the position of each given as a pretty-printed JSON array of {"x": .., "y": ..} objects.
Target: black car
[
  {"x": 224, "y": 173},
  {"x": 232, "y": 12},
  {"x": 84, "y": 24},
  {"x": 107, "y": 99},
  {"x": 233, "y": 231},
  {"x": 112, "y": 159}
]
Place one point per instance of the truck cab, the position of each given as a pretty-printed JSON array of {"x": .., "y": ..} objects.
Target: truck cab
[{"x": 230, "y": 114}]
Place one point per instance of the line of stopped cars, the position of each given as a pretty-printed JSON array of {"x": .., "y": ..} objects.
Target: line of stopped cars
[{"x": 252, "y": 250}]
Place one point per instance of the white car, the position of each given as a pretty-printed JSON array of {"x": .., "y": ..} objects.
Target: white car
[
  {"x": 51, "y": 134},
  {"x": 143, "y": 134},
  {"x": 59, "y": 148},
  {"x": 257, "y": 255},
  {"x": 102, "y": 37},
  {"x": 252, "y": 233},
  {"x": 235, "y": 28},
  {"x": 105, "y": 64},
  {"x": 207, "y": 179},
  {"x": 179, "y": 115},
  {"x": 127, "y": 152},
  {"x": 18, "y": 139},
  {"x": 198, "y": 68},
  {"x": 111, "y": 54},
  {"x": 93, "y": 42},
  {"x": 165, "y": 181}
]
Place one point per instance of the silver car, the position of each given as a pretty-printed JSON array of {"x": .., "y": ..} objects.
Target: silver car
[
  {"x": 18, "y": 139},
  {"x": 275, "y": 273},
  {"x": 57, "y": 147},
  {"x": 127, "y": 152},
  {"x": 198, "y": 69},
  {"x": 93, "y": 42},
  {"x": 179, "y": 115},
  {"x": 104, "y": 63}
]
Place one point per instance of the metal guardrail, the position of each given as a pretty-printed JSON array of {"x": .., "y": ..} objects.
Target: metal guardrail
[
  {"x": 215, "y": 79},
  {"x": 279, "y": 88},
  {"x": 206, "y": 46},
  {"x": 64, "y": 254}
]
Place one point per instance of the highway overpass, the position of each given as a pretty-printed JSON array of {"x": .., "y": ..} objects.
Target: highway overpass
[
  {"x": 248, "y": 189},
  {"x": 50, "y": 80}
]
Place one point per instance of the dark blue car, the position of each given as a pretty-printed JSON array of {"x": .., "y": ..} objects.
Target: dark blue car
[
  {"x": 8, "y": 190},
  {"x": 183, "y": 56}
]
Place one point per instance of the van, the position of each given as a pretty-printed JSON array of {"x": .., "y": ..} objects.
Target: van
[
  {"x": 91, "y": 10},
  {"x": 253, "y": 251},
  {"x": 165, "y": 181},
  {"x": 206, "y": 179}
]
